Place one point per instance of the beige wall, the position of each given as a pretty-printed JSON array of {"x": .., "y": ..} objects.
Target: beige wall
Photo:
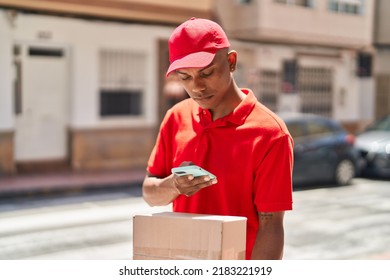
[
  {"x": 104, "y": 149},
  {"x": 234, "y": 17},
  {"x": 382, "y": 61},
  {"x": 382, "y": 79},
  {"x": 164, "y": 11},
  {"x": 382, "y": 95},
  {"x": 382, "y": 22},
  {"x": 274, "y": 22}
]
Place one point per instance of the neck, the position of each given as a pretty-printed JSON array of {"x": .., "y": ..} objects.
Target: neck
[{"x": 232, "y": 100}]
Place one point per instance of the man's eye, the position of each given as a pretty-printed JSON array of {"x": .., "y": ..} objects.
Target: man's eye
[
  {"x": 184, "y": 77},
  {"x": 206, "y": 74}
]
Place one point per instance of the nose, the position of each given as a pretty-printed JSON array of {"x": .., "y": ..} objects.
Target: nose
[{"x": 198, "y": 86}]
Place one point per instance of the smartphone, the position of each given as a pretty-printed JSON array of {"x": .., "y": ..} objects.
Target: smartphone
[{"x": 193, "y": 170}]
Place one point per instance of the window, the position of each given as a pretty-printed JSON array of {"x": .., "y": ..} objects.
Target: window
[
  {"x": 318, "y": 128},
  {"x": 315, "y": 88},
  {"x": 289, "y": 76},
  {"x": 122, "y": 83},
  {"x": 302, "y": 3},
  {"x": 381, "y": 124},
  {"x": 35, "y": 51},
  {"x": 364, "y": 64},
  {"x": 117, "y": 103},
  {"x": 243, "y": 2},
  {"x": 346, "y": 6},
  {"x": 296, "y": 129},
  {"x": 269, "y": 88}
]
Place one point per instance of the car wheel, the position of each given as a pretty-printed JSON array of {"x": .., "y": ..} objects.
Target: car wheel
[{"x": 344, "y": 172}]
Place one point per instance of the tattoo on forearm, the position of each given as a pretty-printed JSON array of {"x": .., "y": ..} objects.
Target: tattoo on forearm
[{"x": 266, "y": 216}]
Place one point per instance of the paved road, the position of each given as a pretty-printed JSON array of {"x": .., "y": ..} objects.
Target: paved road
[
  {"x": 81, "y": 226},
  {"x": 327, "y": 223},
  {"x": 350, "y": 222}
]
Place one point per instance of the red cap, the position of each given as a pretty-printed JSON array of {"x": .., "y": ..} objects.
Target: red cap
[{"x": 194, "y": 44}]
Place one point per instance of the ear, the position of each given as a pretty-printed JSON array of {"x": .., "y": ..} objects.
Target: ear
[{"x": 232, "y": 59}]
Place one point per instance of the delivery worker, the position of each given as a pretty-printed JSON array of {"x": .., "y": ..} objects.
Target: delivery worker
[{"x": 227, "y": 131}]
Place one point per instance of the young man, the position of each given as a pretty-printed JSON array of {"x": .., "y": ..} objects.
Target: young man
[{"x": 225, "y": 130}]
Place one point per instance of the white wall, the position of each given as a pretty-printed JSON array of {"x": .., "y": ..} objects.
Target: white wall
[
  {"x": 346, "y": 99},
  {"x": 6, "y": 74},
  {"x": 382, "y": 22},
  {"x": 84, "y": 39},
  {"x": 367, "y": 99}
]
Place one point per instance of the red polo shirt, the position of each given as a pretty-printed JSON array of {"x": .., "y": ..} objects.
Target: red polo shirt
[{"x": 250, "y": 151}]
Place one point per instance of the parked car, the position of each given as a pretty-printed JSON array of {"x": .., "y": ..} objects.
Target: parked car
[
  {"x": 374, "y": 147},
  {"x": 323, "y": 151}
]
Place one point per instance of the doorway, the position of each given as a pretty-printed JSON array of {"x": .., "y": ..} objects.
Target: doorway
[{"x": 41, "y": 98}]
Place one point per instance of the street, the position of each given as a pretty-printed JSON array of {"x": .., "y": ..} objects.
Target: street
[
  {"x": 336, "y": 223},
  {"x": 340, "y": 223}
]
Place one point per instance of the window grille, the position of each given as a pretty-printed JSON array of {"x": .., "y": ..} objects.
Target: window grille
[
  {"x": 122, "y": 82},
  {"x": 302, "y": 3},
  {"x": 315, "y": 89},
  {"x": 270, "y": 88},
  {"x": 289, "y": 76},
  {"x": 346, "y": 6},
  {"x": 243, "y": 2}
]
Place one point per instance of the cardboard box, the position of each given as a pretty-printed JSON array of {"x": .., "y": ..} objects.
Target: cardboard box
[{"x": 181, "y": 236}]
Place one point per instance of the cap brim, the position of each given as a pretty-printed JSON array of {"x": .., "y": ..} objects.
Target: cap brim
[{"x": 193, "y": 60}]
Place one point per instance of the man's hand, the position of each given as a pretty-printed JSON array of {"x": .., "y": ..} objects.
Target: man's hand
[
  {"x": 189, "y": 185},
  {"x": 162, "y": 191}
]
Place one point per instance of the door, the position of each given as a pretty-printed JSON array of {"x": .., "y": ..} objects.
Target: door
[
  {"x": 170, "y": 90},
  {"x": 41, "y": 103},
  {"x": 382, "y": 102}
]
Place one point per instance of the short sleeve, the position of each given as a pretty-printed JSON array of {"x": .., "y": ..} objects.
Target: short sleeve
[{"x": 273, "y": 179}]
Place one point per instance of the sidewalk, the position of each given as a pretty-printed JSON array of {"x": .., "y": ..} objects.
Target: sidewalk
[{"x": 29, "y": 184}]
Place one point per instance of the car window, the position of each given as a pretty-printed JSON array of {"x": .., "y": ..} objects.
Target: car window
[
  {"x": 318, "y": 128},
  {"x": 382, "y": 124},
  {"x": 295, "y": 129}
]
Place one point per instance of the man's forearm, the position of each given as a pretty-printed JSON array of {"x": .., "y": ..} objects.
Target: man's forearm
[
  {"x": 270, "y": 237},
  {"x": 268, "y": 246},
  {"x": 159, "y": 192}
]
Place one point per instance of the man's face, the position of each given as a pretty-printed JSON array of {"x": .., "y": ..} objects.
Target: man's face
[{"x": 208, "y": 86}]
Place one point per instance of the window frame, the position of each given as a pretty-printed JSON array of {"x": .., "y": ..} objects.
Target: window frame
[
  {"x": 123, "y": 84},
  {"x": 343, "y": 6},
  {"x": 297, "y": 3}
]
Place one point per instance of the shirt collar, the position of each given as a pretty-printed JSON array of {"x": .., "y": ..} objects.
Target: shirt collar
[{"x": 238, "y": 116}]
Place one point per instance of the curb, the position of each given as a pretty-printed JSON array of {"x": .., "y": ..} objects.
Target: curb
[{"x": 67, "y": 183}]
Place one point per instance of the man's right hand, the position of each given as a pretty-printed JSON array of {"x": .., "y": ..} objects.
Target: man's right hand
[{"x": 188, "y": 185}]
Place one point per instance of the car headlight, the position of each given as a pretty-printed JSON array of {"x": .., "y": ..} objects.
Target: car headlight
[{"x": 387, "y": 149}]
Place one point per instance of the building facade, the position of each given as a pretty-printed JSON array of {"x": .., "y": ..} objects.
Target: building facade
[
  {"x": 382, "y": 66},
  {"x": 83, "y": 87},
  {"x": 311, "y": 56},
  {"x": 79, "y": 83}
]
